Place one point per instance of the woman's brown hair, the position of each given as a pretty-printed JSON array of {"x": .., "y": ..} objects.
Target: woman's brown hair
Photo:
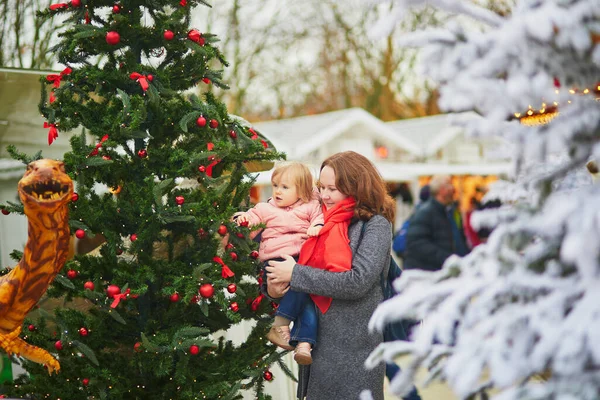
[{"x": 356, "y": 176}]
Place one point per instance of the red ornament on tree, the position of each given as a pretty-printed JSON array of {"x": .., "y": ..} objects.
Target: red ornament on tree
[
  {"x": 133, "y": 237},
  {"x": 76, "y": 3},
  {"x": 206, "y": 80},
  {"x": 150, "y": 77},
  {"x": 58, "y": 345},
  {"x": 201, "y": 122},
  {"x": 206, "y": 290},
  {"x": 79, "y": 233},
  {"x": 196, "y": 36},
  {"x": 116, "y": 9},
  {"x": 83, "y": 331},
  {"x": 194, "y": 299},
  {"x": 229, "y": 246},
  {"x": 233, "y": 256},
  {"x": 231, "y": 288},
  {"x": 143, "y": 153},
  {"x": 245, "y": 223},
  {"x": 232, "y": 134},
  {"x": 202, "y": 234},
  {"x": 85, "y": 381},
  {"x": 89, "y": 285},
  {"x": 174, "y": 298},
  {"x": 119, "y": 251},
  {"x": 112, "y": 290},
  {"x": 214, "y": 123},
  {"x": 268, "y": 375},
  {"x": 168, "y": 35},
  {"x": 31, "y": 328},
  {"x": 5, "y": 211},
  {"x": 254, "y": 254},
  {"x": 194, "y": 349},
  {"x": 201, "y": 168},
  {"x": 113, "y": 38},
  {"x": 179, "y": 200},
  {"x": 71, "y": 274},
  {"x": 222, "y": 230},
  {"x": 137, "y": 347},
  {"x": 234, "y": 307},
  {"x": 74, "y": 197}
]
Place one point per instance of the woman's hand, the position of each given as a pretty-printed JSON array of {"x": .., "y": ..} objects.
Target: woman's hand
[{"x": 281, "y": 271}]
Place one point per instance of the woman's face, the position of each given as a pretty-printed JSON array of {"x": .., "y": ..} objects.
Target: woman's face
[{"x": 330, "y": 195}]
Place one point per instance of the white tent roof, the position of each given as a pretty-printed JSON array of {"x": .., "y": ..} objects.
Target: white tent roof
[{"x": 300, "y": 136}]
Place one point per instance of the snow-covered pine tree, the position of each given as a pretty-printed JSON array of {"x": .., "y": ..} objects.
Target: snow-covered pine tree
[{"x": 521, "y": 313}]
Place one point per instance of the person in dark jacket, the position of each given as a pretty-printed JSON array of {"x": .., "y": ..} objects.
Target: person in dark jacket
[{"x": 432, "y": 235}]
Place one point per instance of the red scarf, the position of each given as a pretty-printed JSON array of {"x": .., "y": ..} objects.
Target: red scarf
[{"x": 331, "y": 249}]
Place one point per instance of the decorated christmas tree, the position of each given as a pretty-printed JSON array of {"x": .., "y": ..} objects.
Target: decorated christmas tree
[
  {"x": 520, "y": 314},
  {"x": 144, "y": 314}
]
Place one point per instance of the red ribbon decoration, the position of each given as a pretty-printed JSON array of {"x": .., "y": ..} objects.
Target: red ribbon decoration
[
  {"x": 142, "y": 79},
  {"x": 52, "y": 97},
  {"x": 118, "y": 297},
  {"x": 264, "y": 143},
  {"x": 98, "y": 145},
  {"x": 57, "y": 78},
  {"x": 256, "y": 302},
  {"x": 58, "y": 6},
  {"x": 254, "y": 134},
  {"x": 226, "y": 272},
  {"x": 87, "y": 18},
  {"x": 209, "y": 167},
  {"x": 52, "y": 133}
]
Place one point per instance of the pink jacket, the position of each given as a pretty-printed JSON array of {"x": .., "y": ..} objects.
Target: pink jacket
[{"x": 286, "y": 228}]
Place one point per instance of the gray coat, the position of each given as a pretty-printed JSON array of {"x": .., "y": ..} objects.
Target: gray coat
[{"x": 343, "y": 341}]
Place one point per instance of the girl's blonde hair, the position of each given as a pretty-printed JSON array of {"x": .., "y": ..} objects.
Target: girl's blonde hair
[{"x": 299, "y": 174}]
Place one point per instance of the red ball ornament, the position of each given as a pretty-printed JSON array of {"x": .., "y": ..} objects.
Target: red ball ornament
[
  {"x": 268, "y": 375},
  {"x": 58, "y": 345},
  {"x": 240, "y": 235},
  {"x": 143, "y": 153},
  {"x": 133, "y": 237},
  {"x": 113, "y": 38},
  {"x": 234, "y": 307},
  {"x": 71, "y": 274},
  {"x": 232, "y": 134},
  {"x": 112, "y": 291},
  {"x": 194, "y": 299},
  {"x": 31, "y": 328},
  {"x": 83, "y": 331},
  {"x": 233, "y": 256},
  {"x": 254, "y": 254},
  {"x": 229, "y": 246},
  {"x": 137, "y": 347},
  {"x": 76, "y": 3},
  {"x": 206, "y": 290},
  {"x": 168, "y": 35},
  {"x": 231, "y": 288},
  {"x": 222, "y": 230},
  {"x": 150, "y": 77},
  {"x": 196, "y": 36},
  {"x": 5, "y": 211},
  {"x": 201, "y": 122},
  {"x": 89, "y": 285},
  {"x": 105, "y": 157},
  {"x": 214, "y": 123},
  {"x": 201, "y": 168},
  {"x": 174, "y": 298},
  {"x": 245, "y": 223},
  {"x": 74, "y": 197},
  {"x": 202, "y": 234},
  {"x": 116, "y": 9},
  {"x": 206, "y": 80},
  {"x": 194, "y": 349},
  {"x": 79, "y": 233},
  {"x": 85, "y": 381},
  {"x": 179, "y": 200}
]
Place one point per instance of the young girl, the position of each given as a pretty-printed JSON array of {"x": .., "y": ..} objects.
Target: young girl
[{"x": 291, "y": 216}]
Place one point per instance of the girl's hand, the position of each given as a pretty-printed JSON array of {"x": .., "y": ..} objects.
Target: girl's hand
[
  {"x": 240, "y": 217},
  {"x": 281, "y": 271},
  {"x": 314, "y": 230},
  {"x": 276, "y": 290}
]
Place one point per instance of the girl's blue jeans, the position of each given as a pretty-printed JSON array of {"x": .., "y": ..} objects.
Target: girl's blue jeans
[{"x": 299, "y": 307}]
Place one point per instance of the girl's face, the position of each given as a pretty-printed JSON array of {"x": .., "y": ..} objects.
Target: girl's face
[
  {"x": 285, "y": 192},
  {"x": 330, "y": 195}
]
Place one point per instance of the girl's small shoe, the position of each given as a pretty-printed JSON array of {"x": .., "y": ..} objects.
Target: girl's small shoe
[
  {"x": 302, "y": 353},
  {"x": 280, "y": 336}
]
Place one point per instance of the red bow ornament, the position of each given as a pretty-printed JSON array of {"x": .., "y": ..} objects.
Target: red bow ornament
[
  {"x": 254, "y": 134},
  {"x": 98, "y": 145},
  {"x": 226, "y": 272},
  {"x": 58, "y": 6},
  {"x": 52, "y": 133},
  {"x": 55, "y": 79},
  {"x": 256, "y": 302},
  {"x": 118, "y": 297},
  {"x": 142, "y": 79}
]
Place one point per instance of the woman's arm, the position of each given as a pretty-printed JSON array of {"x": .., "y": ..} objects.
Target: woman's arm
[{"x": 368, "y": 262}]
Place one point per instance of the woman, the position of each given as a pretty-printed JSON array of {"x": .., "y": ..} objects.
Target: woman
[{"x": 343, "y": 339}]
